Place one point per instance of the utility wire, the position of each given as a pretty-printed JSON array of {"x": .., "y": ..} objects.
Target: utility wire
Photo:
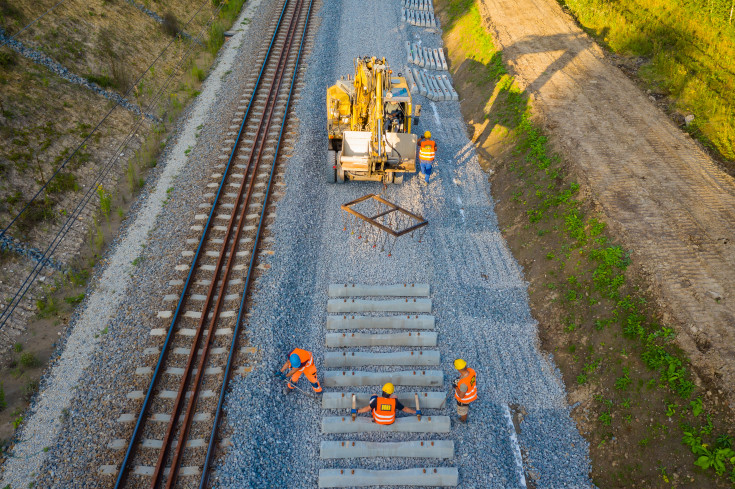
[
  {"x": 36, "y": 19},
  {"x": 84, "y": 141},
  {"x": 71, "y": 219}
]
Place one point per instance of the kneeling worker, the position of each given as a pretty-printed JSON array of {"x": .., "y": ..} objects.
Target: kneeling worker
[
  {"x": 465, "y": 388},
  {"x": 300, "y": 362},
  {"x": 385, "y": 406}
]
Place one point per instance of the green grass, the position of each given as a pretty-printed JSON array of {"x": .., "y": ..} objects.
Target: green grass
[
  {"x": 690, "y": 47},
  {"x": 592, "y": 270},
  {"x": 29, "y": 360}
]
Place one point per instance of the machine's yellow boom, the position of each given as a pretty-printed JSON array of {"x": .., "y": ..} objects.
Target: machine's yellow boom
[{"x": 369, "y": 119}]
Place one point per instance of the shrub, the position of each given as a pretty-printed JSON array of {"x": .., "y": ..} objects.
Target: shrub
[
  {"x": 3, "y": 402},
  {"x": 29, "y": 360},
  {"x": 121, "y": 75},
  {"x": 216, "y": 38},
  {"x": 63, "y": 182},
  {"x": 103, "y": 81},
  {"x": 8, "y": 58},
  {"x": 170, "y": 24},
  {"x": 30, "y": 389}
]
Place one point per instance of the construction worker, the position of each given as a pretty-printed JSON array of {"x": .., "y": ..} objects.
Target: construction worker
[
  {"x": 465, "y": 388},
  {"x": 393, "y": 117},
  {"x": 427, "y": 152},
  {"x": 385, "y": 406},
  {"x": 300, "y": 362}
]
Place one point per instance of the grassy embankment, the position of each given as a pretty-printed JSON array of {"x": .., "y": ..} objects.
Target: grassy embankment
[
  {"x": 44, "y": 117},
  {"x": 689, "y": 52},
  {"x": 647, "y": 422}
]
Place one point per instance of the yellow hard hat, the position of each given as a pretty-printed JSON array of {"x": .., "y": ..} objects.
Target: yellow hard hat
[
  {"x": 459, "y": 364},
  {"x": 388, "y": 388},
  {"x": 427, "y": 134}
]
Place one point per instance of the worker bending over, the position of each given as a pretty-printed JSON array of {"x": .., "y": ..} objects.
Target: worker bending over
[
  {"x": 427, "y": 152},
  {"x": 465, "y": 388},
  {"x": 385, "y": 406},
  {"x": 300, "y": 362}
]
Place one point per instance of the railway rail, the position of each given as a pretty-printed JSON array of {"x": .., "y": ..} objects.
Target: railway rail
[{"x": 175, "y": 434}]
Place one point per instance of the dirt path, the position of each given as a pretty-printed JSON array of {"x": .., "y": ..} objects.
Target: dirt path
[{"x": 672, "y": 206}]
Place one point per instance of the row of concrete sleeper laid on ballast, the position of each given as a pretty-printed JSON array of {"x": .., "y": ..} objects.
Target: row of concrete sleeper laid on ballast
[
  {"x": 426, "y": 57},
  {"x": 434, "y": 87},
  {"x": 419, "y": 18},
  {"x": 425, "y": 5}
]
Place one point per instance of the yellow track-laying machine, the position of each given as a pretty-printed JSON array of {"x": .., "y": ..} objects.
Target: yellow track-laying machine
[{"x": 369, "y": 119}]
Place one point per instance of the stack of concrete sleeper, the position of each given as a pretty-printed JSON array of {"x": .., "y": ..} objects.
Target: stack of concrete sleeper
[
  {"x": 403, "y": 307},
  {"x": 424, "y": 57},
  {"x": 434, "y": 87}
]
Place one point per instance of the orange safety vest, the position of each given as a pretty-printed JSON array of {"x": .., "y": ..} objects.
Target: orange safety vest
[
  {"x": 385, "y": 410},
  {"x": 304, "y": 356},
  {"x": 471, "y": 384},
  {"x": 427, "y": 150}
]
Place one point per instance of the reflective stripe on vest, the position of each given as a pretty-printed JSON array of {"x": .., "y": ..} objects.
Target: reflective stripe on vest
[
  {"x": 385, "y": 410},
  {"x": 427, "y": 150},
  {"x": 307, "y": 359},
  {"x": 470, "y": 382}
]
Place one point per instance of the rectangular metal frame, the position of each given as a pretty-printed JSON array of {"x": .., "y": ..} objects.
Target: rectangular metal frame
[{"x": 392, "y": 208}]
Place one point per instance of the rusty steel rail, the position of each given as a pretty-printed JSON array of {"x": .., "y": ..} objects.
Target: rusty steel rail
[
  {"x": 252, "y": 166},
  {"x": 235, "y": 224}
]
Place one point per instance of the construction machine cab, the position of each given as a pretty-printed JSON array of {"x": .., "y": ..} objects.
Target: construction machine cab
[{"x": 369, "y": 119}]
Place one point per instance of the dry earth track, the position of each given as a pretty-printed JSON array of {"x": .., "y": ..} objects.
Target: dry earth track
[{"x": 659, "y": 191}]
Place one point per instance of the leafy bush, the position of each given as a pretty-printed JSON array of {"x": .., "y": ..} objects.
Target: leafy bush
[
  {"x": 29, "y": 360},
  {"x": 63, "y": 182},
  {"x": 103, "y": 81},
  {"x": 8, "y": 58},
  {"x": 170, "y": 24}
]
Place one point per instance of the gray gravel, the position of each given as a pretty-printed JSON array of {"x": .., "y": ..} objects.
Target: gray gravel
[{"x": 479, "y": 296}]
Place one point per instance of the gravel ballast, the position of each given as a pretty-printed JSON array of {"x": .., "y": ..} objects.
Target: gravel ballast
[{"x": 479, "y": 296}]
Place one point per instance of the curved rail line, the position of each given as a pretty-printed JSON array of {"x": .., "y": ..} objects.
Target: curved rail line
[{"x": 256, "y": 139}]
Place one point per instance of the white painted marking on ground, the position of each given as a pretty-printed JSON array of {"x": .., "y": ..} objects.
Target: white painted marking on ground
[{"x": 516, "y": 448}]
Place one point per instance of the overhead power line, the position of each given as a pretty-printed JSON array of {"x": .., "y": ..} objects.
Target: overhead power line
[
  {"x": 89, "y": 136},
  {"x": 37, "y": 19},
  {"x": 73, "y": 216}
]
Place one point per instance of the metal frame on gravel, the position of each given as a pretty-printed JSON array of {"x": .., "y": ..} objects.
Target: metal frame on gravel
[{"x": 373, "y": 221}]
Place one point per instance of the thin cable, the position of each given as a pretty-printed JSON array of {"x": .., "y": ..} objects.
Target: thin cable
[
  {"x": 84, "y": 141},
  {"x": 66, "y": 227},
  {"x": 37, "y": 19}
]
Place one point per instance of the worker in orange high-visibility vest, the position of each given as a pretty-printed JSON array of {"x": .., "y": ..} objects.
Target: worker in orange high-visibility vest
[
  {"x": 300, "y": 362},
  {"x": 385, "y": 406},
  {"x": 465, "y": 388},
  {"x": 427, "y": 153}
]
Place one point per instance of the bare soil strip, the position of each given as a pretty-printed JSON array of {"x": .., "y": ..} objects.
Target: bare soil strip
[{"x": 673, "y": 207}]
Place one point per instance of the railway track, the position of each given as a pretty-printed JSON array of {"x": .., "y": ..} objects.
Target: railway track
[{"x": 174, "y": 435}]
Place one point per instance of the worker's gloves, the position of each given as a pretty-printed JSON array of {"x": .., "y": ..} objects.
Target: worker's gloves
[
  {"x": 455, "y": 382},
  {"x": 281, "y": 374},
  {"x": 353, "y": 411},
  {"x": 418, "y": 412}
]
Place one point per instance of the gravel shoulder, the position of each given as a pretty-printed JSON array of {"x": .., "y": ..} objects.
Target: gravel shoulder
[
  {"x": 64, "y": 438},
  {"x": 659, "y": 191},
  {"x": 479, "y": 297}
]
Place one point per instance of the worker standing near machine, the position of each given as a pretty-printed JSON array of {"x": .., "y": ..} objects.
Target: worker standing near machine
[
  {"x": 300, "y": 362},
  {"x": 465, "y": 388},
  {"x": 427, "y": 152},
  {"x": 385, "y": 406}
]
